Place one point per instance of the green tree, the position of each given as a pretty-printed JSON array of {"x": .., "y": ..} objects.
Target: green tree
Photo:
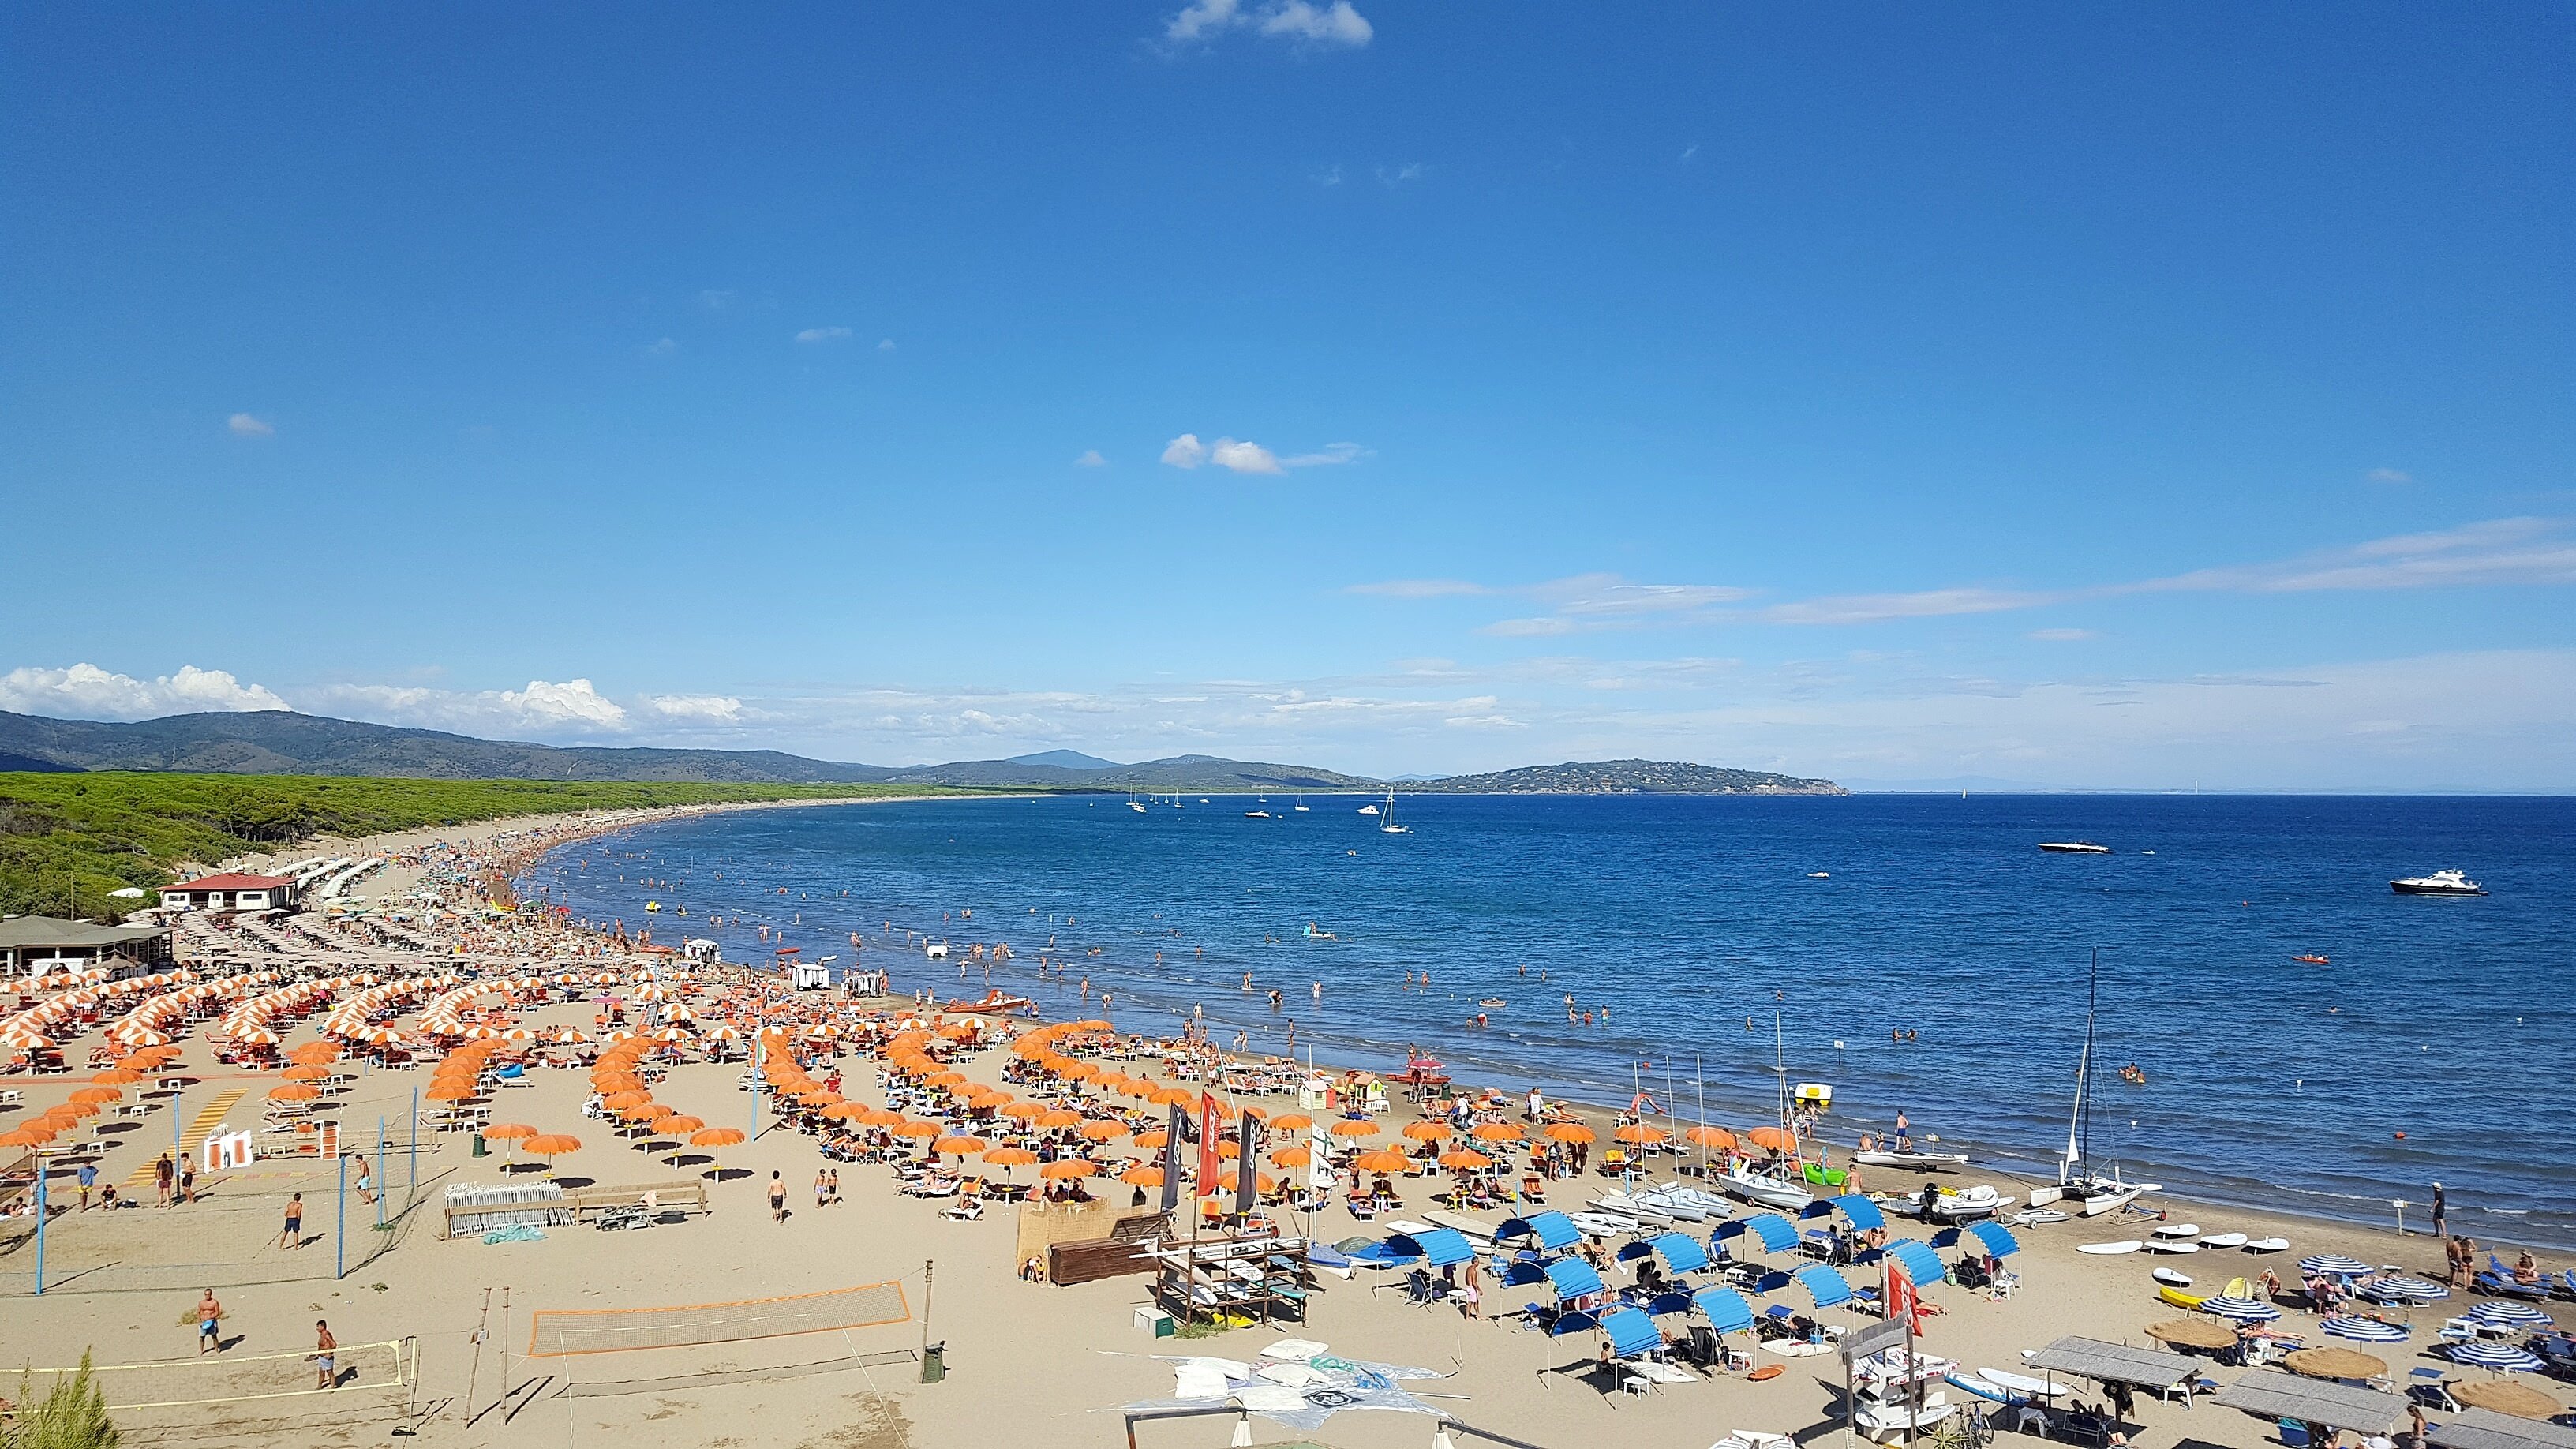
[{"x": 72, "y": 1415}]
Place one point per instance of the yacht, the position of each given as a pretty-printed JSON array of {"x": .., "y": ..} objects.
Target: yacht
[
  {"x": 1370, "y": 809},
  {"x": 2074, "y": 847},
  {"x": 1390, "y": 827},
  {"x": 2439, "y": 883}
]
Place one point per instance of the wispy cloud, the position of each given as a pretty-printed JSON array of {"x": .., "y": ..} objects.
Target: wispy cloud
[
  {"x": 1243, "y": 456},
  {"x": 716, "y": 708},
  {"x": 2062, "y": 636},
  {"x": 1326, "y": 175},
  {"x": 2496, "y": 551},
  {"x": 1423, "y": 589},
  {"x": 824, "y": 334},
  {"x": 243, "y": 425},
  {"x": 1392, "y": 177},
  {"x": 2390, "y": 475},
  {"x": 662, "y": 347},
  {"x": 1091, "y": 459},
  {"x": 1335, "y": 24},
  {"x": 1921, "y": 604}
]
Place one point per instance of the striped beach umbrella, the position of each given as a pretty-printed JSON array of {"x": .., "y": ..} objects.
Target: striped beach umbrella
[
  {"x": 2332, "y": 1265},
  {"x": 2364, "y": 1330},
  {"x": 2502, "y": 1357},
  {"x": 2506, "y": 1313},
  {"x": 2423, "y": 1290},
  {"x": 2240, "y": 1310}
]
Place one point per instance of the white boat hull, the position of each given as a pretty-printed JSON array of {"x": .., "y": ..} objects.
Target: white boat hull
[
  {"x": 1916, "y": 1161},
  {"x": 1769, "y": 1192}
]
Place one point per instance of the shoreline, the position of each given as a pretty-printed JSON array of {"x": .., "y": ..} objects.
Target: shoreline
[{"x": 2008, "y": 1165}]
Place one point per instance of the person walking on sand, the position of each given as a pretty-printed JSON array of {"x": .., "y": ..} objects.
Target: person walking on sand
[
  {"x": 210, "y": 1324},
  {"x": 187, "y": 1180},
  {"x": 2441, "y": 1212},
  {"x": 777, "y": 1197},
  {"x": 366, "y": 1180},
  {"x": 292, "y": 1235},
  {"x": 87, "y": 1176},
  {"x": 163, "y": 1173},
  {"x": 326, "y": 1363}
]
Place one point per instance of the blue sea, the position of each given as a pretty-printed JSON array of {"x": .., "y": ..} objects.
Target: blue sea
[{"x": 2438, "y": 1043}]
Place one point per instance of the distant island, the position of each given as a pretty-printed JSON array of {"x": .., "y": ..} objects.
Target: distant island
[{"x": 279, "y": 742}]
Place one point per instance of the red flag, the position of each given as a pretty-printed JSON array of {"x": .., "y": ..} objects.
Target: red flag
[
  {"x": 1211, "y": 1127},
  {"x": 1901, "y": 1299}
]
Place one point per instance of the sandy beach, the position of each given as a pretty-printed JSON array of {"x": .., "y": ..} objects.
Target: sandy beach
[{"x": 1023, "y": 1359}]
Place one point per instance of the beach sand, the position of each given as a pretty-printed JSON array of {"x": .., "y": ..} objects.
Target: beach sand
[{"x": 1026, "y": 1362}]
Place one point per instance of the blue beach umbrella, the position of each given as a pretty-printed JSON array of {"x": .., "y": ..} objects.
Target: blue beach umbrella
[
  {"x": 2507, "y": 1314},
  {"x": 2240, "y": 1310},
  {"x": 2421, "y": 1289},
  {"x": 2364, "y": 1330},
  {"x": 2332, "y": 1265},
  {"x": 2502, "y": 1357}
]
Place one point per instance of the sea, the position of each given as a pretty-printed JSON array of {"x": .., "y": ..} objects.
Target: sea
[{"x": 1917, "y": 953}]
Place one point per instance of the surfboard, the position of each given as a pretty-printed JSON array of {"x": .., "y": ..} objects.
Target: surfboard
[
  {"x": 2177, "y": 1230},
  {"x": 2126, "y": 1245},
  {"x": 2222, "y": 1240},
  {"x": 2169, "y": 1275},
  {"x": 2268, "y": 1245}
]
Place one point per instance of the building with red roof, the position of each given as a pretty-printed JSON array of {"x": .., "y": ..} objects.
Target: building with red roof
[{"x": 230, "y": 891}]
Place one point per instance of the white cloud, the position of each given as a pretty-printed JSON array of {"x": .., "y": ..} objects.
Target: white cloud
[
  {"x": 574, "y": 702},
  {"x": 246, "y": 426},
  {"x": 1243, "y": 457},
  {"x": 1922, "y": 604},
  {"x": 2390, "y": 475},
  {"x": 1331, "y": 454},
  {"x": 2062, "y": 636},
  {"x": 2496, "y": 551},
  {"x": 717, "y": 708},
  {"x": 1091, "y": 459},
  {"x": 1326, "y": 175},
  {"x": 1690, "y": 150},
  {"x": 1185, "y": 451},
  {"x": 1423, "y": 589},
  {"x": 824, "y": 334},
  {"x": 1543, "y": 627},
  {"x": 662, "y": 347},
  {"x": 885, "y": 344},
  {"x": 85, "y": 691},
  {"x": 1391, "y": 177},
  {"x": 1300, "y": 21},
  {"x": 717, "y": 299}
]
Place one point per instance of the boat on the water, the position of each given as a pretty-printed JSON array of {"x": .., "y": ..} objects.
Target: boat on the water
[
  {"x": 1388, "y": 826},
  {"x": 2439, "y": 883},
  {"x": 2074, "y": 847},
  {"x": 2312, "y": 960},
  {"x": 1370, "y": 809}
]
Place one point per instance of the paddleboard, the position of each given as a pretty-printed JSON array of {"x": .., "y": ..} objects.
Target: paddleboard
[
  {"x": 2222, "y": 1240},
  {"x": 2171, "y": 1245},
  {"x": 2177, "y": 1279},
  {"x": 2129, "y": 1245},
  {"x": 2181, "y": 1298},
  {"x": 2022, "y": 1383},
  {"x": 2268, "y": 1245},
  {"x": 2178, "y": 1230}
]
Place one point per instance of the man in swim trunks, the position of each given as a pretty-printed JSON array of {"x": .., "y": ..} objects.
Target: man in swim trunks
[{"x": 325, "y": 1363}]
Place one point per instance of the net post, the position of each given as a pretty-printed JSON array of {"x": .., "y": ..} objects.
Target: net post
[
  {"x": 929, "y": 1267},
  {"x": 42, "y": 1212},
  {"x": 340, "y": 1232},
  {"x": 411, "y": 1186},
  {"x": 380, "y": 1171}
]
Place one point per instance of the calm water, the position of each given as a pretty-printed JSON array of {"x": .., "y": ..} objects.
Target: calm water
[{"x": 2268, "y": 1081}]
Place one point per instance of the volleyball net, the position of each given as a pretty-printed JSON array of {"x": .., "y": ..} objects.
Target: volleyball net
[
  {"x": 567, "y": 1332},
  {"x": 362, "y": 1375}
]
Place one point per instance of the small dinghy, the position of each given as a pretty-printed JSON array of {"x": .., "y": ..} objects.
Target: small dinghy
[
  {"x": 2173, "y": 1278},
  {"x": 2222, "y": 1240},
  {"x": 2104, "y": 1250},
  {"x": 2268, "y": 1245},
  {"x": 1968, "y": 1204},
  {"x": 2178, "y": 1230}
]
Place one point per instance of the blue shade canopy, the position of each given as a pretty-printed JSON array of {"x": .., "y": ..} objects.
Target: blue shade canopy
[
  {"x": 1774, "y": 1231},
  {"x": 1551, "y": 1229},
  {"x": 1573, "y": 1278},
  {"x": 1724, "y": 1308},
  {"x": 1440, "y": 1246},
  {"x": 1824, "y": 1285},
  {"x": 1681, "y": 1253},
  {"x": 1920, "y": 1262},
  {"x": 1572, "y": 1323},
  {"x": 1524, "y": 1271},
  {"x": 1863, "y": 1213},
  {"x": 1631, "y": 1332},
  {"x": 1997, "y": 1238}
]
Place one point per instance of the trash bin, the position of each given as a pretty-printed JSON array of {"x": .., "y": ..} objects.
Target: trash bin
[
  {"x": 934, "y": 1362},
  {"x": 479, "y": 1149}
]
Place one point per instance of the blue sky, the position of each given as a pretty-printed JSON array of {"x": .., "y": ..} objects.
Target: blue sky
[{"x": 2117, "y": 397}]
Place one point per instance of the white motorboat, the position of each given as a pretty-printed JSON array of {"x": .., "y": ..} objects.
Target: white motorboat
[
  {"x": 1368, "y": 810},
  {"x": 2439, "y": 883},
  {"x": 1968, "y": 1204},
  {"x": 2074, "y": 847},
  {"x": 1916, "y": 1161},
  {"x": 1766, "y": 1190},
  {"x": 1257, "y": 815}
]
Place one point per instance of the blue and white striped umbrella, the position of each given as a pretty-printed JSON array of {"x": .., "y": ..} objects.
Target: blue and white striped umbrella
[
  {"x": 2240, "y": 1310},
  {"x": 2364, "y": 1330},
  {"x": 2423, "y": 1290},
  {"x": 2503, "y": 1357},
  {"x": 2334, "y": 1265},
  {"x": 2508, "y": 1314}
]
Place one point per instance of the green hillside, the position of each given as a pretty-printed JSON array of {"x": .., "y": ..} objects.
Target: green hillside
[{"x": 66, "y": 840}]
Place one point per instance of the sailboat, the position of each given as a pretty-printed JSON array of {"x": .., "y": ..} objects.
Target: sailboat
[
  {"x": 1301, "y": 803},
  {"x": 2092, "y": 1191},
  {"x": 1389, "y": 827},
  {"x": 1764, "y": 1188},
  {"x": 1134, "y": 804}
]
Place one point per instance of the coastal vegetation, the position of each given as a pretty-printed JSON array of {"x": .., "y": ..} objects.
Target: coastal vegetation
[{"x": 69, "y": 839}]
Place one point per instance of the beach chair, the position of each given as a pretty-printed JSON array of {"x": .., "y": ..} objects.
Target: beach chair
[
  {"x": 2295, "y": 1435},
  {"x": 965, "y": 1210}
]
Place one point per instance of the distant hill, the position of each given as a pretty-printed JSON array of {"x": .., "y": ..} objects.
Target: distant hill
[
  {"x": 277, "y": 742},
  {"x": 1629, "y": 777}
]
